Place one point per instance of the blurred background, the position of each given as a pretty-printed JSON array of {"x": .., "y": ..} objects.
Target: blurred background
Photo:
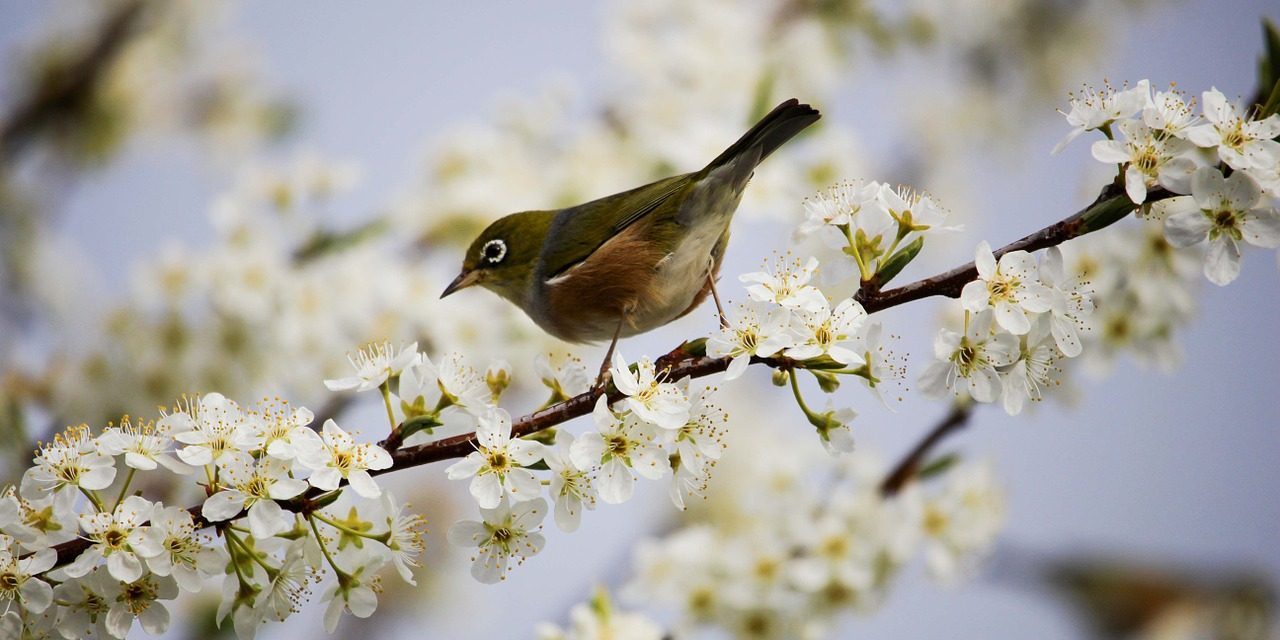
[{"x": 201, "y": 196}]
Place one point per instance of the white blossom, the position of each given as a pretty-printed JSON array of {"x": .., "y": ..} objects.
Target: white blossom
[
  {"x": 72, "y": 461},
  {"x": 374, "y": 365},
  {"x": 960, "y": 524},
  {"x": 599, "y": 620},
  {"x": 757, "y": 330},
  {"x": 647, "y": 393},
  {"x": 339, "y": 457},
  {"x": 1149, "y": 159},
  {"x": 255, "y": 487},
  {"x": 118, "y": 536},
  {"x": 1169, "y": 113},
  {"x": 970, "y": 359},
  {"x": 144, "y": 445},
  {"x": 829, "y": 332},
  {"x": 45, "y": 521},
  {"x": 787, "y": 287},
  {"x": 84, "y": 603},
  {"x": 355, "y": 592},
  {"x": 566, "y": 380},
  {"x": 1225, "y": 212},
  {"x": 505, "y": 532},
  {"x": 913, "y": 210},
  {"x": 141, "y": 600},
  {"x": 211, "y": 429},
  {"x": 426, "y": 388},
  {"x": 496, "y": 467},
  {"x": 288, "y": 588},
  {"x": 171, "y": 546},
  {"x": 1072, "y": 303},
  {"x": 404, "y": 536},
  {"x": 1092, "y": 109},
  {"x": 1023, "y": 380},
  {"x": 1241, "y": 143},
  {"x": 621, "y": 448},
  {"x": 20, "y": 580},
  {"x": 1010, "y": 287},
  {"x": 572, "y": 487},
  {"x": 278, "y": 431}
]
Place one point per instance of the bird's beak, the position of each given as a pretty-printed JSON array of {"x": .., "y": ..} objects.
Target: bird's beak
[{"x": 464, "y": 280}]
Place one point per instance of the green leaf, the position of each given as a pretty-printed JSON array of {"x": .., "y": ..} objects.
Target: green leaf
[
  {"x": 898, "y": 261},
  {"x": 322, "y": 243},
  {"x": 546, "y": 436},
  {"x": 938, "y": 465},
  {"x": 828, "y": 382},
  {"x": 1269, "y": 70},
  {"x": 696, "y": 348},
  {"x": 761, "y": 101},
  {"x": 418, "y": 423},
  {"x": 1107, "y": 212}
]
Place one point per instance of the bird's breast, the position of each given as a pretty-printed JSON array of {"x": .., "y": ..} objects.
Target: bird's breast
[{"x": 630, "y": 279}]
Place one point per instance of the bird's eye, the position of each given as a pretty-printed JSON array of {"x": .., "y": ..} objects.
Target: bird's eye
[{"x": 494, "y": 251}]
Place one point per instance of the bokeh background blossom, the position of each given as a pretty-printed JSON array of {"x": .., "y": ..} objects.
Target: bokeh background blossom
[{"x": 247, "y": 192}]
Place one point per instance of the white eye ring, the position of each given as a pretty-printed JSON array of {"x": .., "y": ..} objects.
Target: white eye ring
[{"x": 495, "y": 258}]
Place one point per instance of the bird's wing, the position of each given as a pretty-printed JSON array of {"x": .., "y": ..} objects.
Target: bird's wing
[{"x": 578, "y": 231}]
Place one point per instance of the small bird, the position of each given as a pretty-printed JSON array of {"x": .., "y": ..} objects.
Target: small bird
[{"x": 630, "y": 262}]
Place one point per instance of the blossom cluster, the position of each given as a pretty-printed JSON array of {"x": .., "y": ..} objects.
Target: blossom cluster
[
  {"x": 658, "y": 429},
  {"x": 808, "y": 549},
  {"x": 1020, "y": 318},
  {"x": 1224, "y": 162},
  {"x": 786, "y": 316},
  {"x": 271, "y": 482},
  {"x": 598, "y": 619},
  {"x": 880, "y": 227}
]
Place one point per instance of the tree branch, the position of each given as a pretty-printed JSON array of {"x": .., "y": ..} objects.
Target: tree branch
[
  {"x": 70, "y": 89},
  {"x": 906, "y": 469},
  {"x": 1110, "y": 206}
]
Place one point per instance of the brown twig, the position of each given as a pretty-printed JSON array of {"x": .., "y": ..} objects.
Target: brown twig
[
  {"x": 907, "y": 468},
  {"x": 1110, "y": 206},
  {"x": 74, "y": 85}
]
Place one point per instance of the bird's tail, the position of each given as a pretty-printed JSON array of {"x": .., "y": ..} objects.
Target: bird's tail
[{"x": 771, "y": 132}]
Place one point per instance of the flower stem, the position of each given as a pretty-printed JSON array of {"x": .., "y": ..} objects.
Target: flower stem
[
  {"x": 386, "y": 400},
  {"x": 93, "y": 497},
  {"x": 244, "y": 547},
  {"x": 311, "y": 517},
  {"x": 795, "y": 391},
  {"x": 124, "y": 489}
]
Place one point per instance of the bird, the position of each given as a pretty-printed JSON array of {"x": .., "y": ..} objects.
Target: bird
[{"x": 631, "y": 262}]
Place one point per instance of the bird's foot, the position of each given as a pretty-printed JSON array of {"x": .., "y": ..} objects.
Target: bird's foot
[{"x": 603, "y": 381}]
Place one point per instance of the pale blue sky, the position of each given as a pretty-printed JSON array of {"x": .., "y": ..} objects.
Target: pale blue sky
[{"x": 1179, "y": 467}]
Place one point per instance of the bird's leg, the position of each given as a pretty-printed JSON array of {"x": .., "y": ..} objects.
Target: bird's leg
[
  {"x": 602, "y": 379},
  {"x": 711, "y": 282}
]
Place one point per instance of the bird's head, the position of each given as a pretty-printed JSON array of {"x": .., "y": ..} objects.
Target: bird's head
[{"x": 502, "y": 258}]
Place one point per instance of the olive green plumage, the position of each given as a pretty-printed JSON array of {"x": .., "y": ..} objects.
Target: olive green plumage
[{"x": 630, "y": 262}]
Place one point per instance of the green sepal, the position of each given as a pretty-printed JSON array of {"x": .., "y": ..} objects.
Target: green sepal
[
  {"x": 938, "y": 466},
  {"x": 540, "y": 465},
  {"x": 425, "y": 422},
  {"x": 324, "y": 500},
  {"x": 322, "y": 243},
  {"x": 1105, "y": 213},
  {"x": 546, "y": 436},
  {"x": 898, "y": 261},
  {"x": 821, "y": 363},
  {"x": 828, "y": 382},
  {"x": 696, "y": 347}
]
